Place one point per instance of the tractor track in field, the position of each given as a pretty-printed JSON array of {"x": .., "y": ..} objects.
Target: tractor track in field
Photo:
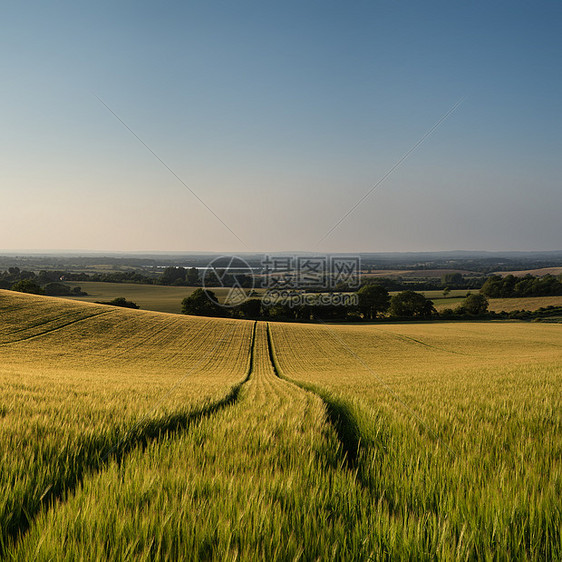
[
  {"x": 403, "y": 337},
  {"x": 275, "y": 410},
  {"x": 338, "y": 412},
  {"x": 101, "y": 452},
  {"x": 56, "y": 328},
  {"x": 345, "y": 417},
  {"x": 43, "y": 322}
]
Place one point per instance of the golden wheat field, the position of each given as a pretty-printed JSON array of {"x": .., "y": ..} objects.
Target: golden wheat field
[
  {"x": 502, "y": 305},
  {"x": 145, "y": 436}
]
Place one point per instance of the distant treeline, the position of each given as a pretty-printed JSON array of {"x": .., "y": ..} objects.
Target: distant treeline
[
  {"x": 494, "y": 286},
  {"x": 373, "y": 302},
  {"x": 29, "y": 282},
  {"x": 15, "y": 274},
  {"x": 50, "y": 289},
  {"x": 449, "y": 280},
  {"x": 193, "y": 277},
  {"x": 528, "y": 286},
  {"x": 176, "y": 276}
]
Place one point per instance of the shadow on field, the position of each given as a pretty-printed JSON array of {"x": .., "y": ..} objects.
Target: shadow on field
[{"x": 95, "y": 453}]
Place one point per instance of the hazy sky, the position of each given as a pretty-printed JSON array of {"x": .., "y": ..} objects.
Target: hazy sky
[{"x": 280, "y": 116}]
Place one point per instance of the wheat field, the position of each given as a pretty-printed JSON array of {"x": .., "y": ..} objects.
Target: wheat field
[
  {"x": 82, "y": 382},
  {"x": 455, "y": 427},
  {"x": 136, "y": 435}
]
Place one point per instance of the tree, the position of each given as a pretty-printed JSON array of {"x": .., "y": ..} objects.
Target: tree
[
  {"x": 330, "y": 312},
  {"x": 373, "y": 299},
  {"x": 121, "y": 301},
  {"x": 492, "y": 286},
  {"x": 250, "y": 308},
  {"x": 192, "y": 276},
  {"x": 173, "y": 275},
  {"x": 27, "y": 286},
  {"x": 202, "y": 303},
  {"x": 411, "y": 305},
  {"x": 280, "y": 312},
  {"x": 57, "y": 290},
  {"x": 474, "y": 304},
  {"x": 446, "y": 291},
  {"x": 453, "y": 279},
  {"x": 527, "y": 286}
]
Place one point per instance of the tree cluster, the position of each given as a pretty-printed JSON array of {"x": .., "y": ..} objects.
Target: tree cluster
[
  {"x": 29, "y": 282},
  {"x": 180, "y": 276},
  {"x": 374, "y": 302},
  {"x": 60, "y": 290},
  {"x": 204, "y": 303},
  {"x": 472, "y": 305},
  {"x": 528, "y": 286},
  {"x": 51, "y": 289},
  {"x": 27, "y": 286},
  {"x": 15, "y": 274},
  {"x": 120, "y": 301}
]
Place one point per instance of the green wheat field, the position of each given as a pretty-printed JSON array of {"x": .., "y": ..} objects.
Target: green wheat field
[{"x": 136, "y": 435}]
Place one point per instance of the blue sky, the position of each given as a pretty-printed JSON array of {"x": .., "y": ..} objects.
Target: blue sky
[{"x": 280, "y": 116}]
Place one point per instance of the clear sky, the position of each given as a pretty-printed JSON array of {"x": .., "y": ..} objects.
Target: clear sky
[{"x": 280, "y": 116}]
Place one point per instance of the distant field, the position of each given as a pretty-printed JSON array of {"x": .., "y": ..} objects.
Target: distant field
[
  {"x": 134, "y": 435},
  {"x": 442, "y": 303},
  {"x": 158, "y": 298},
  {"x": 529, "y": 303},
  {"x": 507, "y": 305},
  {"x": 537, "y": 272},
  {"x": 414, "y": 272},
  {"x": 438, "y": 294}
]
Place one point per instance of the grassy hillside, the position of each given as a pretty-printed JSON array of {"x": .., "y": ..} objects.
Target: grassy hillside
[{"x": 158, "y": 298}]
